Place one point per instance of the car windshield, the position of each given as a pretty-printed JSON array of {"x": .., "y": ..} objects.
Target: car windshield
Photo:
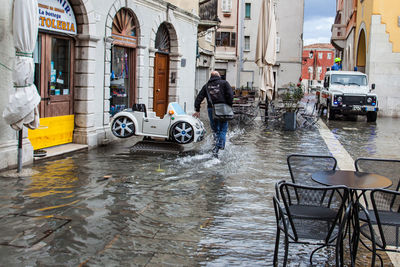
[
  {"x": 344, "y": 79},
  {"x": 178, "y": 109}
]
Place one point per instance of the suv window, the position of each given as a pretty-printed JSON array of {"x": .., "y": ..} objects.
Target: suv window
[{"x": 343, "y": 79}]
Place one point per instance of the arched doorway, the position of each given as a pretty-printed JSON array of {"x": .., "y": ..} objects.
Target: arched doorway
[
  {"x": 161, "y": 70},
  {"x": 361, "y": 52},
  {"x": 123, "y": 61}
]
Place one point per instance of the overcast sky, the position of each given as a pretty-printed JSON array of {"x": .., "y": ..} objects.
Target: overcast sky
[{"x": 318, "y": 19}]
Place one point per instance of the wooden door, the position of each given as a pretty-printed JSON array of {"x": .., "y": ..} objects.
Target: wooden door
[
  {"x": 161, "y": 70},
  {"x": 56, "y": 83}
]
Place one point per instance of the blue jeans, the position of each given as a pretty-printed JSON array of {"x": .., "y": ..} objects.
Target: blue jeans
[{"x": 219, "y": 129}]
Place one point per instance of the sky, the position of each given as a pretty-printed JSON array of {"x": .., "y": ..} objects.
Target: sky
[{"x": 318, "y": 19}]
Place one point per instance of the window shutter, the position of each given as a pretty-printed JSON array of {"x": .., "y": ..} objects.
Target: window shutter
[
  {"x": 233, "y": 39},
  {"x": 218, "y": 38}
]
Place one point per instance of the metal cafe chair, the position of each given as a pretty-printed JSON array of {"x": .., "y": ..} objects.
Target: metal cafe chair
[
  {"x": 301, "y": 167},
  {"x": 389, "y": 168},
  {"x": 311, "y": 216},
  {"x": 382, "y": 225}
]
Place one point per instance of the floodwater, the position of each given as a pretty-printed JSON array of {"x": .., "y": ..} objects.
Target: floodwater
[
  {"x": 361, "y": 139},
  {"x": 109, "y": 207}
]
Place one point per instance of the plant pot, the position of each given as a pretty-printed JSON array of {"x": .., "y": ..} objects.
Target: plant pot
[{"x": 290, "y": 121}]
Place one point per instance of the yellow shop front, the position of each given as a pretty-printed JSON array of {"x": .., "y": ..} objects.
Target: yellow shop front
[{"x": 53, "y": 57}]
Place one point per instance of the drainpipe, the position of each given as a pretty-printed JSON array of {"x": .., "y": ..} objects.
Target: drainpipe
[{"x": 240, "y": 37}]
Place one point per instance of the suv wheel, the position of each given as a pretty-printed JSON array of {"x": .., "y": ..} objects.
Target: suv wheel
[{"x": 371, "y": 116}]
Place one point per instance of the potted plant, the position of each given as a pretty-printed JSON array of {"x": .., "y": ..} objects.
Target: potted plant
[{"x": 291, "y": 99}]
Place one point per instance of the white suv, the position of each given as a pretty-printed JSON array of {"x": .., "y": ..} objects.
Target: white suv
[{"x": 347, "y": 92}]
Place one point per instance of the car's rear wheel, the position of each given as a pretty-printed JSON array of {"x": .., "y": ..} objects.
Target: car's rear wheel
[
  {"x": 123, "y": 127},
  {"x": 371, "y": 116},
  {"x": 182, "y": 132}
]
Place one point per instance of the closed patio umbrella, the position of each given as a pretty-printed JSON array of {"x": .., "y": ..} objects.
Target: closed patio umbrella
[
  {"x": 266, "y": 47},
  {"x": 23, "y": 101}
]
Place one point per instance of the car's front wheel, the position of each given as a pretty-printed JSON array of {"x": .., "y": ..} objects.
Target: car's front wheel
[
  {"x": 182, "y": 132},
  {"x": 123, "y": 127},
  {"x": 371, "y": 116}
]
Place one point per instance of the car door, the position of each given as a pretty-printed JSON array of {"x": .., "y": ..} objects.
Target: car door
[{"x": 156, "y": 126}]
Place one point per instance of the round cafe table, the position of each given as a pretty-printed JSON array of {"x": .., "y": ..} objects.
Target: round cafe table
[
  {"x": 362, "y": 181},
  {"x": 352, "y": 179}
]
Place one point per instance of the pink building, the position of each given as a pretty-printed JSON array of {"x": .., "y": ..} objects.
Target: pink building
[{"x": 315, "y": 60}]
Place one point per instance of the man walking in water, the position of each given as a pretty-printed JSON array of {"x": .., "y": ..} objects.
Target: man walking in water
[{"x": 219, "y": 91}]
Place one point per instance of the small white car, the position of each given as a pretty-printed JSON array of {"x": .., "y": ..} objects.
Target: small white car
[{"x": 176, "y": 125}]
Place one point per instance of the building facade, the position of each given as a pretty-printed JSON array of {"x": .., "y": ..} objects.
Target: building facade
[
  {"x": 343, "y": 32},
  {"x": 105, "y": 56},
  {"x": 206, "y": 48},
  {"x": 316, "y": 59},
  {"x": 366, "y": 35},
  {"x": 289, "y": 44},
  {"x": 377, "y": 50},
  {"x": 226, "y": 44}
]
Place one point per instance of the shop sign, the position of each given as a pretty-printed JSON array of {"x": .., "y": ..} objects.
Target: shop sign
[
  {"x": 124, "y": 40},
  {"x": 56, "y": 16}
]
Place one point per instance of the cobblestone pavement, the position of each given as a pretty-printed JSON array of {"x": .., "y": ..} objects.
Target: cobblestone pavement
[{"x": 108, "y": 207}]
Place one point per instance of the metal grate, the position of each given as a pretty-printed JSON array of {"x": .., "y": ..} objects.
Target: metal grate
[{"x": 354, "y": 100}]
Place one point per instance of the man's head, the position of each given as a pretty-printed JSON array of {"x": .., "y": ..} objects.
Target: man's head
[
  {"x": 337, "y": 60},
  {"x": 215, "y": 74}
]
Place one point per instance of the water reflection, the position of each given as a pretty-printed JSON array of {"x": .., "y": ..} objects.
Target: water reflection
[{"x": 362, "y": 139}]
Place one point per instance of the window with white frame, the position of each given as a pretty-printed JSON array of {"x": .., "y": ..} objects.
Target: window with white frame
[
  {"x": 226, "y": 5},
  {"x": 329, "y": 56},
  {"x": 247, "y": 43},
  {"x": 320, "y": 55}
]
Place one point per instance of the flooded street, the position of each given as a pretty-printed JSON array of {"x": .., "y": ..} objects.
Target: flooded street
[
  {"x": 108, "y": 207},
  {"x": 362, "y": 139}
]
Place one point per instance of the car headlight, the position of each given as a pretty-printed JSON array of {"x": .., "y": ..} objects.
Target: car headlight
[
  {"x": 339, "y": 99},
  {"x": 369, "y": 100}
]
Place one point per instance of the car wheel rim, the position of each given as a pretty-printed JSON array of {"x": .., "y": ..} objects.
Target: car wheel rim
[
  {"x": 123, "y": 127},
  {"x": 183, "y": 132}
]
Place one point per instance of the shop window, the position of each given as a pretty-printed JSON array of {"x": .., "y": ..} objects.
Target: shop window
[
  {"x": 119, "y": 84},
  {"x": 123, "y": 61}
]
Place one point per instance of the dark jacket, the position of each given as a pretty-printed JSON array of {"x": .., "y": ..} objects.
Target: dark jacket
[{"x": 220, "y": 92}]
